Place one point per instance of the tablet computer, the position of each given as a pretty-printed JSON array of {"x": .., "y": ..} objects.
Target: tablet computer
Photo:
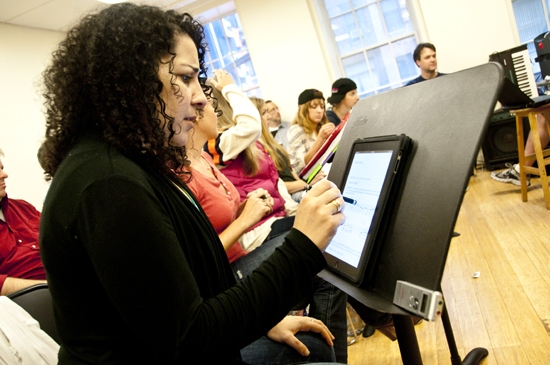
[{"x": 371, "y": 170}]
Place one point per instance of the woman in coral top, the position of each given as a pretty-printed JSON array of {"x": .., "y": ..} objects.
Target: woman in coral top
[
  {"x": 231, "y": 218},
  {"x": 218, "y": 197},
  {"x": 236, "y": 151}
]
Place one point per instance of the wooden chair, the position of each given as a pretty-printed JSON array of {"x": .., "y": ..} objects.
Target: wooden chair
[
  {"x": 353, "y": 330},
  {"x": 540, "y": 155}
]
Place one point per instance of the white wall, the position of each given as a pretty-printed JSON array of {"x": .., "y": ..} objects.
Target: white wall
[
  {"x": 286, "y": 46},
  {"x": 285, "y": 49},
  {"x": 466, "y": 32},
  {"x": 24, "y": 53},
  {"x": 290, "y": 54}
]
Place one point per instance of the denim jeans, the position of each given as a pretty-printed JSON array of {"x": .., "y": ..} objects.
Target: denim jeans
[
  {"x": 327, "y": 303},
  {"x": 250, "y": 262},
  {"x": 266, "y": 352}
]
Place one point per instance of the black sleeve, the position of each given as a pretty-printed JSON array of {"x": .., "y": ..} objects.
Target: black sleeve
[
  {"x": 276, "y": 286},
  {"x": 134, "y": 247}
]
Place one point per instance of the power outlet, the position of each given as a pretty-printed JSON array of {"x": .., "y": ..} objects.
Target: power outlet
[{"x": 423, "y": 302}]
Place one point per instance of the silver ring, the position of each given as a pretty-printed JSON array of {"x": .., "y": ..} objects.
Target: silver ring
[
  {"x": 337, "y": 205},
  {"x": 312, "y": 320}
]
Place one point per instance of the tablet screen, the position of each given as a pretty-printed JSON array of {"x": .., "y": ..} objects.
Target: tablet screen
[{"x": 361, "y": 192}]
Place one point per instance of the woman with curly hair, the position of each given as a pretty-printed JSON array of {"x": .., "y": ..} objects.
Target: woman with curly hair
[
  {"x": 136, "y": 271},
  {"x": 309, "y": 130}
]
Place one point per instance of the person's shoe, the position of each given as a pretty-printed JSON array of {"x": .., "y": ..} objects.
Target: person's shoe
[
  {"x": 368, "y": 331},
  {"x": 388, "y": 330},
  {"x": 510, "y": 175}
]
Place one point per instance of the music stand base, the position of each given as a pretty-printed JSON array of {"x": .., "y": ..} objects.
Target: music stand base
[
  {"x": 475, "y": 356},
  {"x": 406, "y": 338}
]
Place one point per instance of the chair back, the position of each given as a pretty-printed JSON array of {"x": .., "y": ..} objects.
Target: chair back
[{"x": 37, "y": 301}]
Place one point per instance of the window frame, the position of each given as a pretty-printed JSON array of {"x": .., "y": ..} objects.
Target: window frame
[
  {"x": 337, "y": 58},
  {"x": 530, "y": 42},
  {"x": 255, "y": 89}
]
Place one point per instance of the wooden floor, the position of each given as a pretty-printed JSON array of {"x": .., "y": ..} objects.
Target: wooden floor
[{"x": 507, "y": 308}]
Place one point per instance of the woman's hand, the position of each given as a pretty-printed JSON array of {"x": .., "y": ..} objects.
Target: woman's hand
[
  {"x": 320, "y": 176},
  {"x": 319, "y": 215},
  {"x": 257, "y": 204},
  {"x": 263, "y": 194},
  {"x": 221, "y": 79},
  {"x": 284, "y": 332},
  {"x": 326, "y": 130}
]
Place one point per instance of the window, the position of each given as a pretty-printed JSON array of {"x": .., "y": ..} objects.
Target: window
[
  {"x": 532, "y": 19},
  {"x": 227, "y": 50},
  {"x": 375, "y": 40}
]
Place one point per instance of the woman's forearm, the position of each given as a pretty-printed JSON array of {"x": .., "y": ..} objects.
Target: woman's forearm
[
  {"x": 295, "y": 186},
  {"x": 314, "y": 148},
  {"x": 233, "y": 232}
]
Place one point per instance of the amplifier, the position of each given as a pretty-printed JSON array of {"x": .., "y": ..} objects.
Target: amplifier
[{"x": 500, "y": 144}]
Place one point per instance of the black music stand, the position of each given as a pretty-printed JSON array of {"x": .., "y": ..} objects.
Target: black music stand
[{"x": 446, "y": 119}]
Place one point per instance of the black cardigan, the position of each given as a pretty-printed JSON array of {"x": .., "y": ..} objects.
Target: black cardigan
[{"x": 138, "y": 274}]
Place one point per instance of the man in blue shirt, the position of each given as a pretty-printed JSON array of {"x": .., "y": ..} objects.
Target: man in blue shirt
[{"x": 425, "y": 58}]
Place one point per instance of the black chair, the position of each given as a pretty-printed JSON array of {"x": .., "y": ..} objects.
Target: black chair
[{"x": 37, "y": 301}]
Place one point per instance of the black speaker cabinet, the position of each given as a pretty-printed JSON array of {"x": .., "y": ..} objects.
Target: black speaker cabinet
[{"x": 500, "y": 144}]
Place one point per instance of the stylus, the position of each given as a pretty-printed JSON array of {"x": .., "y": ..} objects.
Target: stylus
[{"x": 349, "y": 200}]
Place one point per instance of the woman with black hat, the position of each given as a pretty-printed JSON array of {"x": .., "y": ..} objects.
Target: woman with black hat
[
  {"x": 309, "y": 129},
  {"x": 344, "y": 97}
]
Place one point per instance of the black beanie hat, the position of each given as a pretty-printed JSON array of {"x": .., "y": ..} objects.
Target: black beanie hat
[
  {"x": 308, "y": 95},
  {"x": 339, "y": 90}
]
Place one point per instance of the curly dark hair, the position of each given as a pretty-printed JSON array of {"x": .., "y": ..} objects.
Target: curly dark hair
[{"x": 104, "y": 79}]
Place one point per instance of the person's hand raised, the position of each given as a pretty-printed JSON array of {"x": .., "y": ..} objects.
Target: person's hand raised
[
  {"x": 326, "y": 130},
  {"x": 320, "y": 176},
  {"x": 319, "y": 213},
  {"x": 221, "y": 79}
]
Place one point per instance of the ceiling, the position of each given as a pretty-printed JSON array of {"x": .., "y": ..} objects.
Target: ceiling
[{"x": 59, "y": 15}]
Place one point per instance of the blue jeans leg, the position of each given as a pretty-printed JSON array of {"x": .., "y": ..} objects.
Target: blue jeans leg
[
  {"x": 266, "y": 352},
  {"x": 328, "y": 303},
  {"x": 281, "y": 226},
  {"x": 250, "y": 262}
]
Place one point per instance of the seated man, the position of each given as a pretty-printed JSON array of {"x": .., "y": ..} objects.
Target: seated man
[
  {"x": 425, "y": 58},
  {"x": 511, "y": 174},
  {"x": 277, "y": 127},
  {"x": 20, "y": 263}
]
